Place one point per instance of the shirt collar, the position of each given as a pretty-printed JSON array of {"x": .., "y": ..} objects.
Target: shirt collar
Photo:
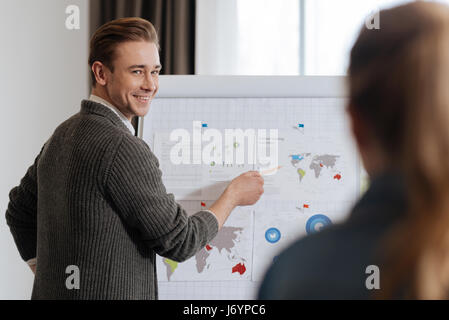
[{"x": 125, "y": 120}]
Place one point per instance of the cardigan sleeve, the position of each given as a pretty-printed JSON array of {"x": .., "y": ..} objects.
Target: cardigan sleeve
[
  {"x": 134, "y": 184},
  {"x": 22, "y": 211}
]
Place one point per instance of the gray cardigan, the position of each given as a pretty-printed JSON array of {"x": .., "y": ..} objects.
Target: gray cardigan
[{"x": 94, "y": 198}]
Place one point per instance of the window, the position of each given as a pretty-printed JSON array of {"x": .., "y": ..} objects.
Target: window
[
  {"x": 331, "y": 28},
  {"x": 247, "y": 37},
  {"x": 272, "y": 37}
]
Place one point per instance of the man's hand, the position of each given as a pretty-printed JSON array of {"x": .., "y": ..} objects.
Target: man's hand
[
  {"x": 33, "y": 268},
  {"x": 246, "y": 189}
]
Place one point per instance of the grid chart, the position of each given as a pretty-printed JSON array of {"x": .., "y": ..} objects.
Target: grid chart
[{"x": 306, "y": 124}]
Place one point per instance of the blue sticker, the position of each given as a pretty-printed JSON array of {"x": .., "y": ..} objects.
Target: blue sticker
[
  {"x": 317, "y": 222},
  {"x": 272, "y": 235}
]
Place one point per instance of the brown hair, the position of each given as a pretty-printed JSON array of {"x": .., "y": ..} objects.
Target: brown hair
[
  {"x": 399, "y": 84},
  {"x": 108, "y": 36}
]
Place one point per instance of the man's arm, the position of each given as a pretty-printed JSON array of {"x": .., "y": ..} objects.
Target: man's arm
[
  {"x": 244, "y": 190},
  {"x": 21, "y": 214},
  {"x": 134, "y": 184}
]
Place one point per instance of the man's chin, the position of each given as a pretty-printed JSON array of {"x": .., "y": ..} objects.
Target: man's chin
[{"x": 142, "y": 110}]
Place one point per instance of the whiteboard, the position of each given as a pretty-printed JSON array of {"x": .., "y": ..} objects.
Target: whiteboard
[{"x": 297, "y": 134}]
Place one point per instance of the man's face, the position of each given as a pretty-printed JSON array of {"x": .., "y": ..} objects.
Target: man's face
[{"x": 135, "y": 79}]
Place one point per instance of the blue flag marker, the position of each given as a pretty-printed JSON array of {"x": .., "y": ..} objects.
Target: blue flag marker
[
  {"x": 300, "y": 125},
  {"x": 204, "y": 125}
]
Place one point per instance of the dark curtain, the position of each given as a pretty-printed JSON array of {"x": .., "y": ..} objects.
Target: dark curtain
[{"x": 174, "y": 21}]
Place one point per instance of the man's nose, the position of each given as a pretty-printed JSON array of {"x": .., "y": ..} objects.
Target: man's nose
[{"x": 149, "y": 83}]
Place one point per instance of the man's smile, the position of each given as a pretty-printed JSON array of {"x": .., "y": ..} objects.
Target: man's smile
[{"x": 142, "y": 98}]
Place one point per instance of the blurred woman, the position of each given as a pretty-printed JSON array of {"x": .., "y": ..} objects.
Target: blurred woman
[{"x": 399, "y": 109}]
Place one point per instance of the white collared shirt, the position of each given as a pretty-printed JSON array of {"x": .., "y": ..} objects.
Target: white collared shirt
[{"x": 125, "y": 120}]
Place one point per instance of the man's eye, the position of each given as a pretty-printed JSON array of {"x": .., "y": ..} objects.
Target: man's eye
[
  {"x": 155, "y": 72},
  {"x": 137, "y": 71}
]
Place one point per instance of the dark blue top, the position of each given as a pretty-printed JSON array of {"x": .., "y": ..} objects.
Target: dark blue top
[{"x": 331, "y": 264}]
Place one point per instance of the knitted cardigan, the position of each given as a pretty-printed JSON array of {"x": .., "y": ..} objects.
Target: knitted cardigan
[{"x": 94, "y": 199}]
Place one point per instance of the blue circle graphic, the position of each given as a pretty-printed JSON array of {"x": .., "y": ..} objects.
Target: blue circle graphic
[
  {"x": 317, "y": 222},
  {"x": 272, "y": 235}
]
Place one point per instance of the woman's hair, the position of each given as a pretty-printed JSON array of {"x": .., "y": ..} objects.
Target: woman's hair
[
  {"x": 111, "y": 34},
  {"x": 399, "y": 86}
]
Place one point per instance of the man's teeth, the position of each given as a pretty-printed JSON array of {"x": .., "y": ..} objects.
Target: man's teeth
[{"x": 142, "y": 97}]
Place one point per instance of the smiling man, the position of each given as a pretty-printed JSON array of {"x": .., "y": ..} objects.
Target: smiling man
[
  {"x": 130, "y": 87},
  {"x": 91, "y": 213}
]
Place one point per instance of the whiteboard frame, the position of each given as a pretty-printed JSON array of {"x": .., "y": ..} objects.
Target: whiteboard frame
[{"x": 200, "y": 86}]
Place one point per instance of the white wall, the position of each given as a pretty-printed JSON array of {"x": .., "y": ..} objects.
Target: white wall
[{"x": 44, "y": 76}]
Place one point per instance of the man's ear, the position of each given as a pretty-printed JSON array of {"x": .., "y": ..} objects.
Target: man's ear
[{"x": 99, "y": 70}]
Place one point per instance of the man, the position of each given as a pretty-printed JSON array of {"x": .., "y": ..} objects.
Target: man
[{"x": 94, "y": 202}]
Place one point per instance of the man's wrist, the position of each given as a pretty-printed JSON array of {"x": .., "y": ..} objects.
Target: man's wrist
[{"x": 229, "y": 197}]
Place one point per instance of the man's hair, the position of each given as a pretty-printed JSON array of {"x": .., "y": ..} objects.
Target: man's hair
[{"x": 108, "y": 36}]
